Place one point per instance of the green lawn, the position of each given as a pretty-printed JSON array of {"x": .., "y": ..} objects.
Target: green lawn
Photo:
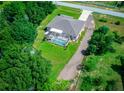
[
  {"x": 56, "y": 54},
  {"x": 106, "y": 64}
]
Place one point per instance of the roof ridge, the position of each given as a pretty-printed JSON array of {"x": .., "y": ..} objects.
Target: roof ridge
[
  {"x": 70, "y": 23},
  {"x": 69, "y": 26}
]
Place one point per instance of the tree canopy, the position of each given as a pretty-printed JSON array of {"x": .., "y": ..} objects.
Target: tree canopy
[
  {"x": 22, "y": 18},
  {"x": 20, "y": 69},
  {"x": 101, "y": 41},
  {"x": 23, "y": 31}
]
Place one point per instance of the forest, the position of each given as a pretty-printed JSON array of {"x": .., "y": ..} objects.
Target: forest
[{"x": 21, "y": 66}]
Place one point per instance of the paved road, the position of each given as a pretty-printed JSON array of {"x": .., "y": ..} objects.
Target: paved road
[
  {"x": 103, "y": 11},
  {"x": 70, "y": 70}
]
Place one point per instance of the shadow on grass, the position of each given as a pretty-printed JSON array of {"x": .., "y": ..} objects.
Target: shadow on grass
[{"x": 119, "y": 70}]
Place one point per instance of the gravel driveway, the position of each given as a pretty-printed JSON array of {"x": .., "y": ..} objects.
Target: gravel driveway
[{"x": 70, "y": 70}]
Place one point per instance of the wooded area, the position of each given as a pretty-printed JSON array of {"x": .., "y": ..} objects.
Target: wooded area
[{"x": 21, "y": 66}]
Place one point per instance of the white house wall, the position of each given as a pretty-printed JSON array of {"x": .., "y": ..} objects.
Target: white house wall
[{"x": 56, "y": 30}]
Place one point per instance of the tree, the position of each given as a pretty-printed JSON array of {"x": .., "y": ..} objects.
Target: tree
[
  {"x": 14, "y": 11},
  {"x": 40, "y": 69},
  {"x": 117, "y": 22},
  {"x": 3, "y": 22},
  {"x": 86, "y": 83},
  {"x": 37, "y": 11},
  {"x": 1, "y": 2},
  {"x": 119, "y": 4},
  {"x": 48, "y": 6},
  {"x": 100, "y": 42},
  {"x": 20, "y": 70},
  {"x": 103, "y": 29},
  {"x": 91, "y": 49},
  {"x": 23, "y": 31},
  {"x": 16, "y": 78},
  {"x": 91, "y": 63},
  {"x": 89, "y": 83},
  {"x": 5, "y": 41}
]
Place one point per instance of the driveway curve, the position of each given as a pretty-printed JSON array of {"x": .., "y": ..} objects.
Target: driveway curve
[{"x": 70, "y": 70}]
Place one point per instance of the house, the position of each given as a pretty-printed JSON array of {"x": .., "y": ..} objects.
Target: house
[{"x": 63, "y": 29}]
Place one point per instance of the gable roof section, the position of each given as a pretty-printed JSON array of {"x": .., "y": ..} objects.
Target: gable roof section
[{"x": 69, "y": 25}]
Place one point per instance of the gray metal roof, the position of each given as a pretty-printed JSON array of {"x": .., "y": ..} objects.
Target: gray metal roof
[{"x": 69, "y": 25}]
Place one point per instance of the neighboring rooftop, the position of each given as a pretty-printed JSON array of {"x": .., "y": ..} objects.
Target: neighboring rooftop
[{"x": 67, "y": 24}]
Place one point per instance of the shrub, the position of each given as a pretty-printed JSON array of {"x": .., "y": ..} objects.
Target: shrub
[
  {"x": 86, "y": 83},
  {"x": 60, "y": 85},
  {"x": 91, "y": 63},
  {"x": 118, "y": 39},
  {"x": 91, "y": 83},
  {"x": 103, "y": 29},
  {"x": 117, "y": 23},
  {"x": 59, "y": 14},
  {"x": 103, "y": 20}
]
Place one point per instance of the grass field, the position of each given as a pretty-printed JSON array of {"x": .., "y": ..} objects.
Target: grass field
[
  {"x": 110, "y": 22},
  {"x": 56, "y": 54},
  {"x": 107, "y": 63}
]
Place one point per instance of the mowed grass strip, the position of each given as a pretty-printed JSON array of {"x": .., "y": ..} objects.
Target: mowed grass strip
[{"x": 58, "y": 55}]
